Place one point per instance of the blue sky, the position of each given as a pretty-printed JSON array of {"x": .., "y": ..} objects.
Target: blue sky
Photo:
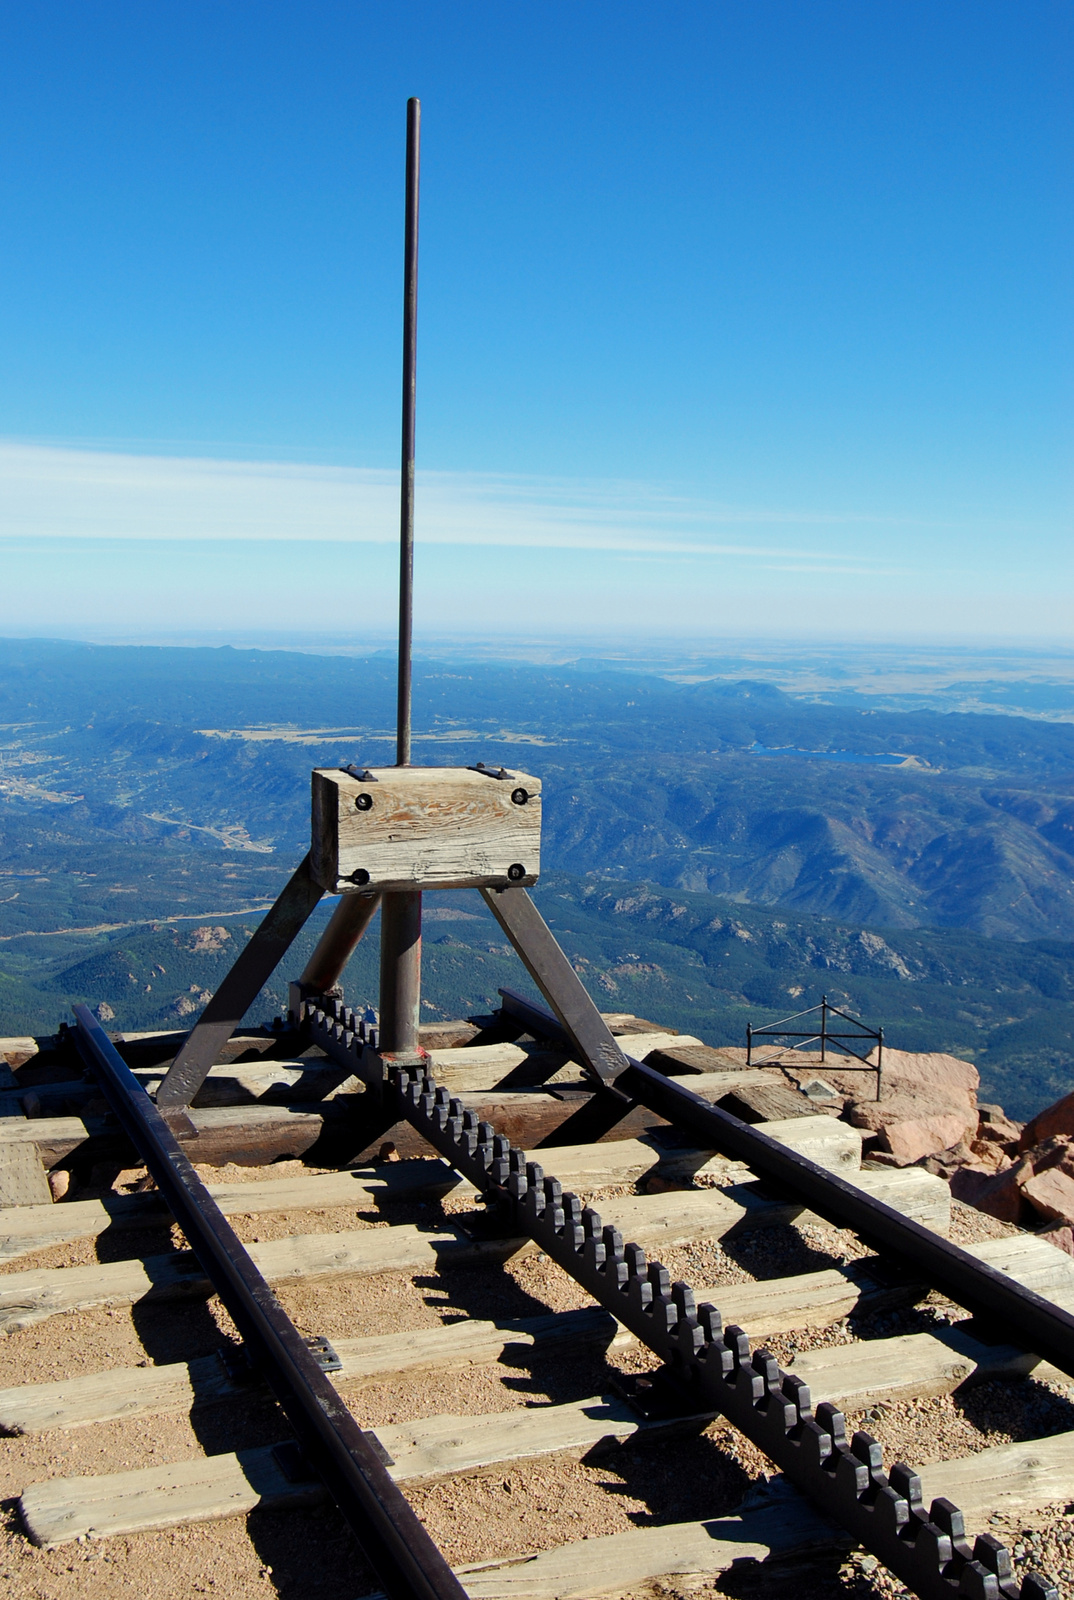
[{"x": 729, "y": 313}]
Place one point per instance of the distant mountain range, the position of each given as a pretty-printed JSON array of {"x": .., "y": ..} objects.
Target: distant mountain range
[
  {"x": 919, "y": 863},
  {"x": 740, "y": 790},
  {"x": 693, "y": 961}
]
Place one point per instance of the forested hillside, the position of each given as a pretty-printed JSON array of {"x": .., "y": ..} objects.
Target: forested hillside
[{"x": 918, "y": 863}]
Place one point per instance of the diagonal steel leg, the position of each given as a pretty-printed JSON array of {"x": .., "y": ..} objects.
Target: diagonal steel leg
[
  {"x": 339, "y": 940},
  {"x": 558, "y": 982},
  {"x": 239, "y": 989}
]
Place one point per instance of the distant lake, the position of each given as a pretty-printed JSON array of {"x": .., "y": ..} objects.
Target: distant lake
[{"x": 891, "y": 759}]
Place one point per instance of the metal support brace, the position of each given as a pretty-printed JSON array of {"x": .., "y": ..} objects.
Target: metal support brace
[
  {"x": 340, "y": 939},
  {"x": 407, "y": 1562},
  {"x": 247, "y": 977},
  {"x": 544, "y": 960},
  {"x": 713, "y": 1367}
]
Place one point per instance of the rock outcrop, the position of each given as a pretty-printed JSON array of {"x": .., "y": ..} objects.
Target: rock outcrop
[
  {"x": 1023, "y": 1175},
  {"x": 928, "y": 1103},
  {"x": 928, "y": 1115}
]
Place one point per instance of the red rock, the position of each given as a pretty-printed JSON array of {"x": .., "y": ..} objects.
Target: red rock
[
  {"x": 999, "y": 1194},
  {"x": 986, "y": 1154},
  {"x": 944, "y": 1162},
  {"x": 922, "y": 1136},
  {"x": 912, "y": 1126},
  {"x": 998, "y": 1127},
  {"x": 1051, "y": 1193},
  {"x": 59, "y": 1182},
  {"x": 1057, "y": 1151},
  {"x": 1054, "y": 1119},
  {"x": 998, "y": 1136},
  {"x": 1062, "y": 1238},
  {"x": 940, "y": 1079},
  {"x": 935, "y": 1074}
]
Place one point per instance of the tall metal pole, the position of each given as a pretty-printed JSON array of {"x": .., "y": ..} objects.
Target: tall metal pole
[
  {"x": 400, "y": 917},
  {"x": 410, "y": 366}
]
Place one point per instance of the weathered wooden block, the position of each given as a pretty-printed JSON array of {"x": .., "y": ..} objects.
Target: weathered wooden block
[
  {"x": 391, "y": 828},
  {"x": 22, "y": 1177}
]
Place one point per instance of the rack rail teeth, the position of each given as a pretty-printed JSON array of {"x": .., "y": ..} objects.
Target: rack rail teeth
[{"x": 719, "y": 1370}]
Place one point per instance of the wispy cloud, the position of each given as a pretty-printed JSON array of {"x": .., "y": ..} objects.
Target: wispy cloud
[{"x": 51, "y": 492}]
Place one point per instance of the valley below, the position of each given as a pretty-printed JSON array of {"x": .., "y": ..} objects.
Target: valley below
[{"x": 715, "y": 852}]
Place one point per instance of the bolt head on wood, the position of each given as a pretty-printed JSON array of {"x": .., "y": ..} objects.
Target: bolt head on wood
[{"x": 397, "y": 828}]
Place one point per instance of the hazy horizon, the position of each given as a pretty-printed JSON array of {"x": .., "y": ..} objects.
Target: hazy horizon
[{"x": 730, "y": 319}]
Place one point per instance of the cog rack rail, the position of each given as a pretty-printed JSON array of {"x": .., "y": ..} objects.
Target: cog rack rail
[{"x": 712, "y": 1369}]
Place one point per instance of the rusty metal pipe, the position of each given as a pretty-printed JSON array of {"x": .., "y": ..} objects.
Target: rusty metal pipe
[
  {"x": 400, "y": 971},
  {"x": 339, "y": 940}
]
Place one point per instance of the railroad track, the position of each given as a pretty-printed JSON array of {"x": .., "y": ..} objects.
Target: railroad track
[{"x": 494, "y": 1211}]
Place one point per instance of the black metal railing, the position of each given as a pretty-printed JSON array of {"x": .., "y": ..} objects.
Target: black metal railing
[{"x": 808, "y": 1038}]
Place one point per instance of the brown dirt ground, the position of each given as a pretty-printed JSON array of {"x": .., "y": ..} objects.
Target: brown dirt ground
[{"x": 484, "y": 1514}]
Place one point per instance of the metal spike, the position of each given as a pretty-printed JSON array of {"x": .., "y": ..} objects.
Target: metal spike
[
  {"x": 766, "y": 1364},
  {"x": 1034, "y": 1587},
  {"x": 591, "y": 1223},
  {"x": 683, "y": 1296},
  {"x": 796, "y": 1391},
  {"x": 977, "y": 1583},
  {"x": 660, "y": 1278}
]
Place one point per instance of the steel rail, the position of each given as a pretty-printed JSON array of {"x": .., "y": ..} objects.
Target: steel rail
[
  {"x": 405, "y": 1558},
  {"x": 712, "y": 1368},
  {"x": 1028, "y": 1319}
]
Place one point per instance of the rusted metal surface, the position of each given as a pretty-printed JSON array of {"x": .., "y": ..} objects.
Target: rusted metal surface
[
  {"x": 346, "y": 1459},
  {"x": 247, "y": 977}
]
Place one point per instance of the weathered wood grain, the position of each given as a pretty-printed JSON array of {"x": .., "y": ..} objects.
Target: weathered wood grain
[
  {"x": 62, "y": 1509},
  {"x": 31, "y": 1296},
  {"x": 656, "y": 1221},
  {"x": 831, "y": 1144},
  {"x": 1022, "y": 1478},
  {"x": 629, "y": 1562},
  {"x": 765, "y": 1102},
  {"x": 510, "y": 1066},
  {"x": 236, "y": 1083},
  {"x": 585, "y": 1168},
  {"x": 912, "y": 1365},
  {"x": 22, "y": 1177},
  {"x": 1032, "y": 1262},
  {"x": 1017, "y": 1478},
  {"x": 782, "y": 1305},
  {"x": 424, "y": 827}
]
